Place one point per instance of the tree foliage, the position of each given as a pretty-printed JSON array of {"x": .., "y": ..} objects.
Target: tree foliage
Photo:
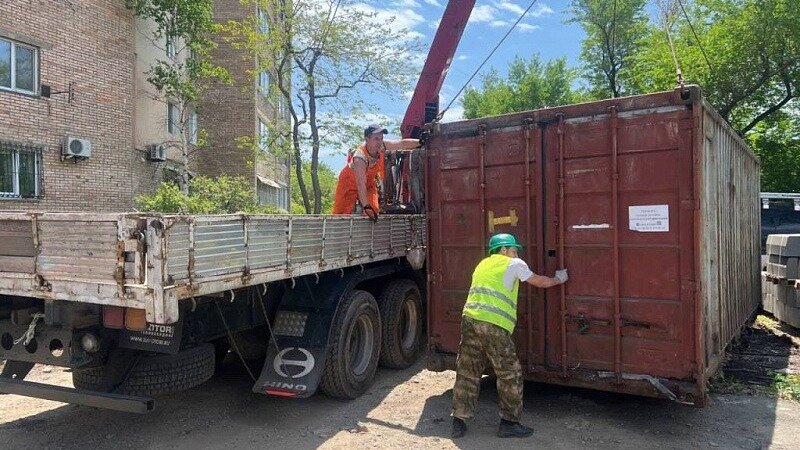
[
  {"x": 221, "y": 195},
  {"x": 745, "y": 54},
  {"x": 777, "y": 143},
  {"x": 325, "y": 54},
  {"x": 531, "y": 84},
  {"x": 327, "y": 184},
  {"x": 613, "y": 29}
]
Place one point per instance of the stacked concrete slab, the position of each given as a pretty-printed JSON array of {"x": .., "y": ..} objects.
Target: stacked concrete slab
[{"x": 780, "y": 281}]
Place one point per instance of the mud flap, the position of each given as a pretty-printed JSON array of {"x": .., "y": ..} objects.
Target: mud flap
[
  {"x": 296, "y": 358},
  {"x": 293, "y": 371}
]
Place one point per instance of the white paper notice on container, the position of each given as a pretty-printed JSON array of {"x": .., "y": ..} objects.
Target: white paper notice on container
[{"x": 648, "y": 218}]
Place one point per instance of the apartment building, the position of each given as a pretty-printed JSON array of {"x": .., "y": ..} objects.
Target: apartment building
[{"x": 79, "y": 121}]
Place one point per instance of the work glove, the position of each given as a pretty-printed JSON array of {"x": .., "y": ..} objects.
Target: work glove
[
  {"x": 561, "y": 275},
  {"x": 370, "y": 212}
]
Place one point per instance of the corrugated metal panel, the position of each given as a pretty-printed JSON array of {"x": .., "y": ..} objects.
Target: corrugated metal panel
[
  {"x": 267, "y": 242},
  {"x": 178, "y": 246},
  {"x": 218, "y": 245},
  {"x": 610, "y": 190},
  {"x": 730, "y": 206},
  {"x": 306, "y": 240},
  {"x": 77, "y": 249},
  {"x": 337, "y": 238}
]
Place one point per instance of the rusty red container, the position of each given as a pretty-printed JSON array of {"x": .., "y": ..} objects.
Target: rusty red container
[{"x": 651, "y": 202}]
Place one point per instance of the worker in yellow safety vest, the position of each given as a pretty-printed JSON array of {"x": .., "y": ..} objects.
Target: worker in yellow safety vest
[{"x": 487, "y": 325}]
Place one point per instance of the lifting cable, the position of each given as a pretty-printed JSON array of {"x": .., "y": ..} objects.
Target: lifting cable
[
  {"x": 697, "y": 39},
  {"x": 678, "y": 72},
  {"x": 485, "y": 60},
  {"x": 233, "y": 343}
]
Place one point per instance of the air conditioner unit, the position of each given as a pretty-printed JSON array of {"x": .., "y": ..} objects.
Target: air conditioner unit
[
  {"x": 76, "y": 148},
  {"x": 158, "y": 152}
]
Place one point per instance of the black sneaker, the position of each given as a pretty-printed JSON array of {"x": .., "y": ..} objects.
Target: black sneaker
[
  {"x": 513, "y": 429},
  {"x": 459, "y": 428}
]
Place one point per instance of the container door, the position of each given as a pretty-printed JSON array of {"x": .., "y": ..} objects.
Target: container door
[
  {"x": 620, "y": 217},
  {"x": 480, "y": 184}
]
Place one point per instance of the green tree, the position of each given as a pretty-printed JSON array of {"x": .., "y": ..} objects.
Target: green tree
[
  {"x": 182, "y": 30},
  {"x": 221, "y": 195},
  {"x": 777, "y": 142},
  {"x": 613, "y": 29},
  {"x": 321, "y": 52},
  {"x": 744, "y": 53},
  {"x": 327, "y": 184},
  {"x": 530, "y": 84}
]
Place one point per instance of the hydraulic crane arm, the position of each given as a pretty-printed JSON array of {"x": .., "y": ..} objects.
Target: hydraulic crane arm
[{"x": 424, "y": 104}]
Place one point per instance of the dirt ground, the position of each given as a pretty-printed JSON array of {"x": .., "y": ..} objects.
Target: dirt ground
[{"x": 404, "y": 409}]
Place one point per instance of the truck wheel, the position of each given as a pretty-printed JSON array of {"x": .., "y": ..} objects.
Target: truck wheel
[
  {"x": 401, "y": 315},
  {"x": 354, "y": 347},
  {"x": 149, "y": 374}
]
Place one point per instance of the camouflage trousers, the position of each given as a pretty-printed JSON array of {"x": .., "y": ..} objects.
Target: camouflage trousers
[{"x": 483, "y": 343}]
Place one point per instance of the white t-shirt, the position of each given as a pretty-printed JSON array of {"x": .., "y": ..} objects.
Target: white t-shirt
[{"x": 517, "y": 270}]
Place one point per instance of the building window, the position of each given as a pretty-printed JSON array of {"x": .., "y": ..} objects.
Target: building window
[
  {"x": 171, "y": 47},
  {"x": 273, "y": 194},
  {"x": 192, "y": 127},
  {"x": 173, "y": 118},
  {"x": 18, "y": 67},
  {"x": 263, "y": 21},
  {"x": 20, "y": 170},
  {"x": 283, "y": 202},
  {"x": 263, "y": 81},
  {"x": 263, "y": 136}
]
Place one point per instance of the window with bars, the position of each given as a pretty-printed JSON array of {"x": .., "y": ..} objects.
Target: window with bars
[
  {"x": 171, "y": 47},
  {"x": 20, "y": 170}
]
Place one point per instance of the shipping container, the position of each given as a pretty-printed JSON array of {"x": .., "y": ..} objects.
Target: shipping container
[{"x": 652, "y": 204}]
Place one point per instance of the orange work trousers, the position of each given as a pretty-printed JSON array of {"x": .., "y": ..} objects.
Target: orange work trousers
[{"x": 344, "y": 200}]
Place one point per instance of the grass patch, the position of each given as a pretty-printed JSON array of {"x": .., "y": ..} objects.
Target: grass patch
[
  {"x": 727, "y": 384},
  {"x": 768, "y": 322},
  {"x": 786, "y": 386}
]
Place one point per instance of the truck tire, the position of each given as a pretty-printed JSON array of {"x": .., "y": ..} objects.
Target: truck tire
[
  {"x": 148, "y": 375},
  {"x": 354, "y": 347},
  {"x": 401, "y": 316}
]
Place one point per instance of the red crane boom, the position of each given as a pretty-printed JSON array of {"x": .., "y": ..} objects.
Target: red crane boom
[{"x": 424, "y": 104}]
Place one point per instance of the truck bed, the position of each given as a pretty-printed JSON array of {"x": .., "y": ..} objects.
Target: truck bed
[{"x": 152, "y": 261}]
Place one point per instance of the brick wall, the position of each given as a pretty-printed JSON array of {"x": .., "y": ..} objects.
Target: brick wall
[
  {"x": 229, "y": 112},
  {"x": 90, "y": 44}
]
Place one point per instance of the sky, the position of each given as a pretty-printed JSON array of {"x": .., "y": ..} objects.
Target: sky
[{"x": 541, "y": 31}]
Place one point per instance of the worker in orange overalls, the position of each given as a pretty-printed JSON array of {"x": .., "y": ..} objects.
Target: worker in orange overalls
[{"x": 358, "y": 179}]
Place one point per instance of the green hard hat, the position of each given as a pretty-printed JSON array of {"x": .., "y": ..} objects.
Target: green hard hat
[{"x": 503, "y": 240}]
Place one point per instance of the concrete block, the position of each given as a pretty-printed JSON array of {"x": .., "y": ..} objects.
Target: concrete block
[
  {"x": 767, "y": 301},
  {"x": 788, "y": 268},
  {"x": 787, "y": 245},
  {"x": 789, "y": 315},
  {"x": 786, "y": 294}
]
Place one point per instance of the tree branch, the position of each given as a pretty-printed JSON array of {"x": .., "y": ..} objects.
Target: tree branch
[
  {"x": 335, "y": 93},
  {"x": 787, "y": 82},
  {"x": 725, "y": 110}
]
